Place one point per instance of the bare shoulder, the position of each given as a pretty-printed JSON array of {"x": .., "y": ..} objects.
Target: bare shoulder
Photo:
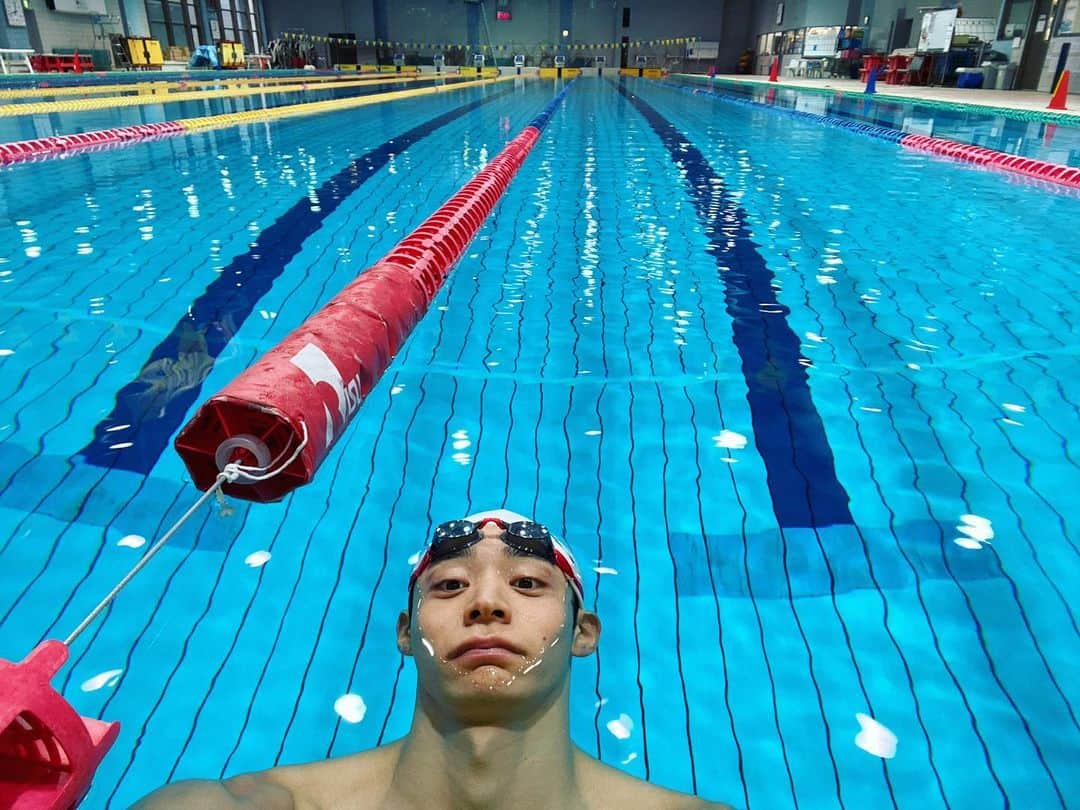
[
  {"x": 322, "y": 785},
  {"x": 239, "y": 793},
  {"x": 606, "y": 787},
  {"x": 333, "y": 783}
]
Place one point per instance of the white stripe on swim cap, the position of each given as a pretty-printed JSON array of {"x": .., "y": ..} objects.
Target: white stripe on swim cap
[{"x": 505, "y": 515}]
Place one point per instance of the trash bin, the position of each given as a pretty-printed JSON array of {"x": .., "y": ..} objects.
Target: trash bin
[
  {"x": 1007, "y": 76},
  {"x": 990, "y": 74}
]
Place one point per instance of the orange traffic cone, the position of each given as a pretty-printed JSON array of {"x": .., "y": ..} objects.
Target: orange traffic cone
[
  {"x": 774, "y": 69},
  {"x": 78, "y": 62},
  {"x": 1057, "y": 100}
]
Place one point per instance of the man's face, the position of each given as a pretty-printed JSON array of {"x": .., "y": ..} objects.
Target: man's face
[{"x": 492, "y": 624}]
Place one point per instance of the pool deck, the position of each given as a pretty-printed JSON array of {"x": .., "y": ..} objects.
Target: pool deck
[{"x": 1000, "y": 99}]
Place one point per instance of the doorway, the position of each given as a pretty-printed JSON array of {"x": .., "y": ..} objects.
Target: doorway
[{"x": 1030, "y": 21}]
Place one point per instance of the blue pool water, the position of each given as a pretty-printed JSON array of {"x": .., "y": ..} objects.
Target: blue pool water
[
  {"x": 760, "y": 373},
  {"x": 1017, "y": 132}
]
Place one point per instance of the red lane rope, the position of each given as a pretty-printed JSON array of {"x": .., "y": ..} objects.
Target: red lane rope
[
  {"x": 981, "y": 156},
  {"x": 284, "y": 413},
  {"x": 54, "y": 146}
]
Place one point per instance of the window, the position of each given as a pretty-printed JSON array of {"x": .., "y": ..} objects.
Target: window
[
  {"x": 193, "y": 23},
  {"x": 176, "y": 22},
  {"x": 172, "y": 22},
  {"x": 1015, "y": 16},
  {"x": 238, "y": 21},
  {"x": 1068, "y": 23}
]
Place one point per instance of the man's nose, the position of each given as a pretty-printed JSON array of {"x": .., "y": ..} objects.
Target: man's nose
[{"x": 488, "y": 603}]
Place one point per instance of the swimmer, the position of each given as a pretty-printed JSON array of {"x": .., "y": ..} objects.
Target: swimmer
[{"x": 495, "y": 615}]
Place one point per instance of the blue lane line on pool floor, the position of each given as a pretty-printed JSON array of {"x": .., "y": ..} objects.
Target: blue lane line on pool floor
[
  {"x": 150, "y": 408},
  {"x": 788, "y": 430}
]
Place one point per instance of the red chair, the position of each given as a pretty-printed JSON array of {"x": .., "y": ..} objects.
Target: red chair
[
  {"x": 896, "y": 65},
  {"x": 870, "y": 62}
]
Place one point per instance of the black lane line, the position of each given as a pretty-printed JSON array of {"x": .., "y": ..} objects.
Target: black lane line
[
  {"x": 788, "y": 430},
  {"x": 150, "y": 408}
]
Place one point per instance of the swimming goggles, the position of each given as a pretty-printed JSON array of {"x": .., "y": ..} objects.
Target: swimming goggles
[{"x": 524, "y": 536}]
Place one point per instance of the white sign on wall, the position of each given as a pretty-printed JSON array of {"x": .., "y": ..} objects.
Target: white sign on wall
[
  {"x": 821, "y": 41},
  {"x": 937, "y": 30},
  {"x": 15, "y": 16},
  {"x": 80, "y": 6},
  {"x": 702, "y": 50}
]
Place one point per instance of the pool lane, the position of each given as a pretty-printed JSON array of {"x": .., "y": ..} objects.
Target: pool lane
[
  {"x": 67, "y": 105},
  {"x": 788, "y": 431},
  {"x": 150, "y": 108},
  {"x": 196, "y": 340},
  {"x": 49, "y": 90}
]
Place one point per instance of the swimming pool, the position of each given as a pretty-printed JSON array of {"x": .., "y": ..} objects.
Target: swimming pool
[{"x": 756, "y": 371}]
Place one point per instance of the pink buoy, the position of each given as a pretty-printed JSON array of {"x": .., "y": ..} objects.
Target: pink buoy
[{"x": 48, "y": 753}]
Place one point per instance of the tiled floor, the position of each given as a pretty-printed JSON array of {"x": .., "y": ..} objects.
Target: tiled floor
[{"x": 1014, "y": 99}]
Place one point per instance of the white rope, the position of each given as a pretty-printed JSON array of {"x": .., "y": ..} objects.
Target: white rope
[
  {"x": 248, "y": 473},
  {"x": 232, "y": 473}
]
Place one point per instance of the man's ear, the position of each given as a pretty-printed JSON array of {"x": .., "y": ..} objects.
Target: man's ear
[
  {"x": 586, "y": 633},
  {"x": 404, "y": 640}
]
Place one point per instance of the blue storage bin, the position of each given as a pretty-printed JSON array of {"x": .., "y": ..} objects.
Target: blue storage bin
[{"x": 969, "y": 78}]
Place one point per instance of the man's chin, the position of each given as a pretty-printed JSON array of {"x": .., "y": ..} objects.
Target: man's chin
[
  {"x": 486, "y": 683},
  {"x": 489, "y": 675}
]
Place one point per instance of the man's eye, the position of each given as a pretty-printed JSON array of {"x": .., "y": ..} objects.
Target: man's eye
[
  {"x": 528, "y": 583},
  {"x": 448, "y": 585}
]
